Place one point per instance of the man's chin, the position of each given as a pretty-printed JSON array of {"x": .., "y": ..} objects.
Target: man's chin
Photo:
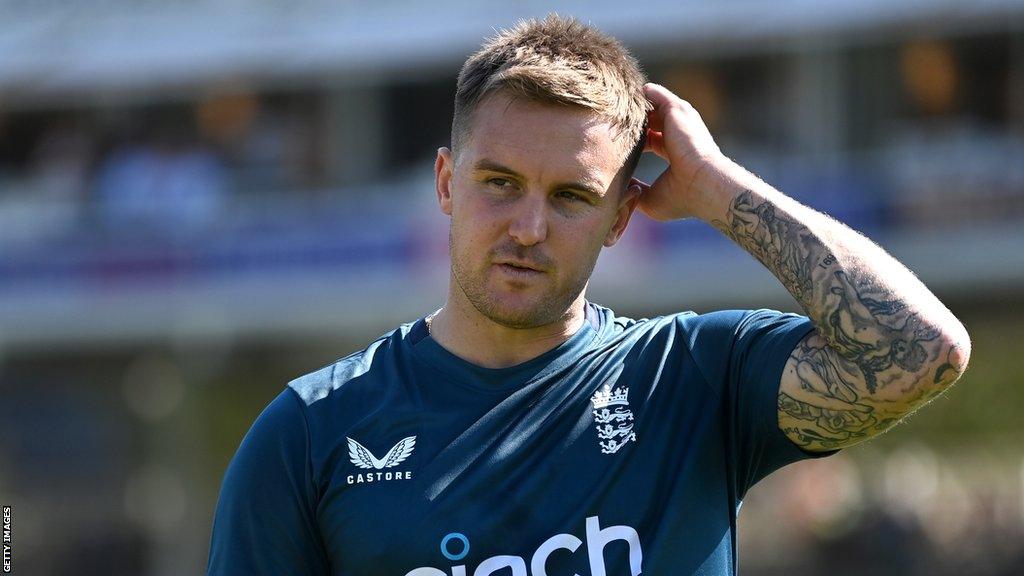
[{"x": 521, "y": 314}]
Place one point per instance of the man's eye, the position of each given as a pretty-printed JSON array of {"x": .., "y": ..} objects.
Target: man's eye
[
  {"x": 570, "y": 196},
  {"x": 500, "y": 182}
]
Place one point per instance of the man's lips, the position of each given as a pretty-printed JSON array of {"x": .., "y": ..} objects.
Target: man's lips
[
  {"x": 518, "y": 273},
  {"x": 519, "y": 265}
]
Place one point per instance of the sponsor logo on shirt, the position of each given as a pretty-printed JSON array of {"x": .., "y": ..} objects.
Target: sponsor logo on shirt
[
  {"x": 455, "y": 547},
  {"x": 362, "y": 457},
  {"x": 613, "y": 418}
]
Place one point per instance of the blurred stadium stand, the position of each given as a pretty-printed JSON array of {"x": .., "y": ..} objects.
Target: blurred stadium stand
[{"x": 202, "y": 199}]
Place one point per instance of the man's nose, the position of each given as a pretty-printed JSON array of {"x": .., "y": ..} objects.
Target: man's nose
[{"x": 529, "y": 224}]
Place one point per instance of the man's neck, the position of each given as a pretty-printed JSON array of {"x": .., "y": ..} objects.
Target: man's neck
[{"x": 481, "y": 341}]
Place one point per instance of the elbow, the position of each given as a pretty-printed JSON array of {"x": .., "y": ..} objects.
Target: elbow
[
  {"x": 960, "y": 348},
  {"x": 960, "y": 355},
  {"x": 957, "y": 355}
]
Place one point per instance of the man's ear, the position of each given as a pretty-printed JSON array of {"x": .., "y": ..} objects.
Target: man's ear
[
  {"x": 630, "y": 200},
  {"x": 443, "y": 167}
]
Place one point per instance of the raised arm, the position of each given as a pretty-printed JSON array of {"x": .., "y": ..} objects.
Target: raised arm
[{"x": 884, "y": 344}]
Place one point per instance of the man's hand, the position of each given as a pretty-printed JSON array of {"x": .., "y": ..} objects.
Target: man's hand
[
  {"x": 676, "y": 132},
  {"x": 884, "y": 345}
]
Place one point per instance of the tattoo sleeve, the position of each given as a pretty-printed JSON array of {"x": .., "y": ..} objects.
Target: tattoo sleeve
[{"x": 882, "y": 345}]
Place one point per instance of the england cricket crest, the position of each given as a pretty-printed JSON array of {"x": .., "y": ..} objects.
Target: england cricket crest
[{"x": 612, "y": 418}]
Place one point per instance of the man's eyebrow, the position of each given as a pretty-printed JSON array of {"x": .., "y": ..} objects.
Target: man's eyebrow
[{"x": 485, "y": 165}]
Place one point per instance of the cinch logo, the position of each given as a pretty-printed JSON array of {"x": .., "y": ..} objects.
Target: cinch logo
[
  {"x": 363, "y": 458},
  {"x": 455, "y": 547}
]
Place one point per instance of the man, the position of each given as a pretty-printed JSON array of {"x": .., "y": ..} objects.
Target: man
[{"x": 523, "y": 430}]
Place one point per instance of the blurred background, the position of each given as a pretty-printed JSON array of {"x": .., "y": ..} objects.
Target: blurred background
[{"x": 203, "y": 199}]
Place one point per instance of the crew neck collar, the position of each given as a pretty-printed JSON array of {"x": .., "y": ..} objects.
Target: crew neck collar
[{"x": 512, "y": 377}]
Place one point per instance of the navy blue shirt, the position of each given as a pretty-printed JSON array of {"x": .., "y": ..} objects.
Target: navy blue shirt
[{"x": 626, "y": 449}]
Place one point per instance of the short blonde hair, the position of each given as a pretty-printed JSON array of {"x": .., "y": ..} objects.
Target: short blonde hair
[{"x": 558, "y": 61}]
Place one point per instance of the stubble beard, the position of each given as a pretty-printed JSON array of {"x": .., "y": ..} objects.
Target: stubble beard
[{"x": 548, "y": 309}]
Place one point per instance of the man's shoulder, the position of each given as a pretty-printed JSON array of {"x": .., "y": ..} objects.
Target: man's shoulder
[
  {"x": 612, "y": 323},
  {"x": 691, "y": 319},
  {"x": 712, "y": 329},
  {"x": 320, "y": 383},
  {"x": 687, "y": 320}
]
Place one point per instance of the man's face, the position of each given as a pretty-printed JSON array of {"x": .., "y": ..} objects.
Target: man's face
[{"x": 533, "y": 195}]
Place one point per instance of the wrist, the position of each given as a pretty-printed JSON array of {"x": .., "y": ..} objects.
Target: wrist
[{"x": 714, "y": 185}]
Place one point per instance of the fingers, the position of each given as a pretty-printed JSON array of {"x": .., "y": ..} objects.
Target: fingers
[
  {"x": 655, "y": 143},
  {"x": 654, "y": 199},
  {"x": 675, "y": 126},
  {"x": 660, "y": 102},
  {"x": 659, "y": 96},
  {"x": 663, "y": 100},
  {"x": 656, "y": 120},
  {"x": 651, "y": 197}
]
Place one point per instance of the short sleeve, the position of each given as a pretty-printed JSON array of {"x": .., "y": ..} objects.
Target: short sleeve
[
  {"x": 742, "y": 355},
  {"x": 764, "y": 341},
  {"x": 265, "y": 521}
]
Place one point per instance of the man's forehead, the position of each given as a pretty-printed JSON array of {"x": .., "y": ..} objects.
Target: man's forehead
[
  {"x": 507, "y": 130},
  {"x": 500, "y": 112}
]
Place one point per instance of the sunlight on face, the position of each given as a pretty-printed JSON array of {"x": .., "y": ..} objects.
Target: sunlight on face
[{"x": 535, "y": 194}]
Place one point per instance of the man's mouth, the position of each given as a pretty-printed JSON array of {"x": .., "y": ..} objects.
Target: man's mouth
[
  {"x": 518, "y": 270},
  {"x": 521, "y": 266}
]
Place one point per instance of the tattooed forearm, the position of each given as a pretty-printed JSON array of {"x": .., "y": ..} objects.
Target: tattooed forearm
[
  {"x": 826, "y": 405},
  {"x": 879, "y": 350}
]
